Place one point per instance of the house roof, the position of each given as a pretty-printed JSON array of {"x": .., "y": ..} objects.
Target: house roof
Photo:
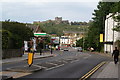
[
  {"x": 35, "y": 28},
  {"x": 72, "y": 32}
]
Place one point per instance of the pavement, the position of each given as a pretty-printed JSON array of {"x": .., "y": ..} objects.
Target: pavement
[
  {"x": 25, "y": 57},
  {"x": 109, "y": 71}
]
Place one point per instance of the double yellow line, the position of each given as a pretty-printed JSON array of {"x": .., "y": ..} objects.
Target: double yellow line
[{"x": 92, "y": 71}]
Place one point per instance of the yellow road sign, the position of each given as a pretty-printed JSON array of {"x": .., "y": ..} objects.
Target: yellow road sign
[
  {"x": 101, "y": 37},
  {"x": 30, "y": 59}
]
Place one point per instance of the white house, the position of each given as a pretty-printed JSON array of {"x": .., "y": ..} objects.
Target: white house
[
  {"x": 65, "y": 41},
  {"x": 110, "y": 36}
]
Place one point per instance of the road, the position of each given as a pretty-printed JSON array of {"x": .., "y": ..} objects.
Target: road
[{"x": 66, "y": 64}]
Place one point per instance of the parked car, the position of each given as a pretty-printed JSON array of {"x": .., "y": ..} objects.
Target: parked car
[
  {"x": 66, "y": 49},
  {"x": 80, "y": 49}
]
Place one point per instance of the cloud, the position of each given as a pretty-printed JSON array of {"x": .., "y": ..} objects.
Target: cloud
[
  {"x": 29, "y": 12},
  {"x": 50, "y": 0}
]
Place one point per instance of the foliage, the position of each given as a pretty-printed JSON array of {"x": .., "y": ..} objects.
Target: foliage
[
  {"x": 79, "y": 43},
  {"x": 116, "y": 10},
  {"x": 6, "y": 35},
  {"x": 79, "y": 23},
  {"x": 97, "y": 26},
  {"x": 19, "y": 33},
  {"x": 52, "y": 28}
]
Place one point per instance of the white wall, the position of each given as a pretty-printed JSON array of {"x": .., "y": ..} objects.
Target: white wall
[
  {"x": 110, "y": 35},
  {"x": 64, "y": 40}
]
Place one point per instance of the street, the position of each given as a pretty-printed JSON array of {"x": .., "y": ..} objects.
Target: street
[
  {"x": 65, "y": 64},
  {"x": 55, "y": 39}
]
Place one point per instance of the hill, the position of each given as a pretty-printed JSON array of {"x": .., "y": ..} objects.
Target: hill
[{"x": 52, "y": 28}]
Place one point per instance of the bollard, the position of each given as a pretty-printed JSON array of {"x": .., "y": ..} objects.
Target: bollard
[{"x": 30, "y": 59}]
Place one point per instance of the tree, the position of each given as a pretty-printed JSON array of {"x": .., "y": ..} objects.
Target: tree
[
  {"x": 98, "y": 24},
  {"x": 6, "y": 35},
  {"x": 19, "y": 33},
  {"x": 116, "y": 10}
]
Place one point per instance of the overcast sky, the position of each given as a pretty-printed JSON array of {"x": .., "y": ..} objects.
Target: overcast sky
[{"x": 41, "y": 10}]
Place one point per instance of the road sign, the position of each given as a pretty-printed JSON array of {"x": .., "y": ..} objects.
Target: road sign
[
  {"x": 101, "y": 37},
  {"x": 55, "y": 40},
  {"x": 40, "y": 34},
  {"x": 30, "y": 59}
]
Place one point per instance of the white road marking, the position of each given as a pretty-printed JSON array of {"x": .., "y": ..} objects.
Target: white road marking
[
  {"x": 85, "y": 57},
  {"x": 55, "y": 67},
  {"x": 51, "y": 63},
  {"x": 74, "y": 61},
  {"x": 64, "y": 61},
  {"x": 43, "y": 67},
  {"x": 37, "y": 66}
]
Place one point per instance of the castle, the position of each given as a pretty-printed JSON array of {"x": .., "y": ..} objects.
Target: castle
[{"x": 57, "y": 20}]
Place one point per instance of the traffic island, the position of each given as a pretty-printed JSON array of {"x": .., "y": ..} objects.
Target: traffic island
[
  {"x": 27, "y": 69},
  {"x": 6, "y": 78}
]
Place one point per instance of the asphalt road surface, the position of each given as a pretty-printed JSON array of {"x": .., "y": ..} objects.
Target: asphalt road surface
[{"x": 65, "y": 65}]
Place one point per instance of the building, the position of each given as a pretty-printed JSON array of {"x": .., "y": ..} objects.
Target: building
[
  {"x": 65, "y": 41},
  {"x": 71, "y": 37},
  {"x": 111, "y": 36},
  {"x": 39, "y": 36},
  {"x": 57, "y": 20}
]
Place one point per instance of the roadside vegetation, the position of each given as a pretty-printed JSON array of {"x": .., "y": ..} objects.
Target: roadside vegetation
[
  {"x": 52, "y": 28},
  {"x": 97, "y": 26},
  {"x": 14, "y": 34}
]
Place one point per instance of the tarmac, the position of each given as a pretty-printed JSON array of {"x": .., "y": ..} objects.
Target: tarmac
[
  {"x": 109, "y": 71},
  {"x": 21, "y": 71}
]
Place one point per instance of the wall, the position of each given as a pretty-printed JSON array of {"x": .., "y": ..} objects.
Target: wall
[
  {"x": 10, "y": 53},
  {"x": 110, "y": 35}
]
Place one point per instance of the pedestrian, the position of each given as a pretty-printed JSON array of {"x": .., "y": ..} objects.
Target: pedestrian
[
  {"x": 115, "y": 54},
  {"x": 40, "y": 47},
  {"x": 51, "y": 50},
  {"x": 40, "y": 51}
]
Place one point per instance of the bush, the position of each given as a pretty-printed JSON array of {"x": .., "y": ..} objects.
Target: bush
[
  {"x": 16, "y": 34},
  {"x": 6, "y": 35}
]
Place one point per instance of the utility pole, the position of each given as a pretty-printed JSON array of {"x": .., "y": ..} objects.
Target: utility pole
[
  {"x": 83, "y": 38},
  {"x": 83, "y": 43}
]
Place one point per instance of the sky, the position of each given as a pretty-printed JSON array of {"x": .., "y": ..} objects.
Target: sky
[{"x": 27, "y": 11}]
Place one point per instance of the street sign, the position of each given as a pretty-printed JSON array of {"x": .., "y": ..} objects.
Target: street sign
[
  {"x": 30, "y": 59},
  {"x": 101, "y": 37},
  {"x": 55, "y": 40},
  {"x": 40, "y": 34}
]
